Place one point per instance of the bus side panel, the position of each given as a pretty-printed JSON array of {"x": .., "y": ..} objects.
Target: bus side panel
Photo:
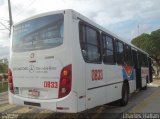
[
  {"x": 114, "y": 92},
  {"x": 96, "y": 91},
  {"x": 114, "y": 79},
  {"x": 144, "y": 75},
  {"x": 69, "y": 104},
  {"x": 96, "y": 97},
  {"x": 132, "y": 83},
  {"x": 107, "y": 89},
  {"x": 132, "y": 86},
  {"x": 78, "y": 67}
]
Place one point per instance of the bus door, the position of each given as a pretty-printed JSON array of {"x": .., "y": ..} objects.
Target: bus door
[{"x": 137, "y": 69}]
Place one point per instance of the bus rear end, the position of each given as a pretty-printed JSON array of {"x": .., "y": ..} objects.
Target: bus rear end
[{"x": 40, "y": 70}]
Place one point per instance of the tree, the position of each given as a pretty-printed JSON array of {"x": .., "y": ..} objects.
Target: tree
[
  {"x": 3, "y": 68},
  {"x": 151, "y": 44},
  {"x": 143, "y": 42},
  {"x": 155, "y": 36}
]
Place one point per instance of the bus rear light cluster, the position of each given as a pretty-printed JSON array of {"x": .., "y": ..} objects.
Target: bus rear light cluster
[
  {"x": 65, "y": 81},
  {"x": 10, "y": 81}
]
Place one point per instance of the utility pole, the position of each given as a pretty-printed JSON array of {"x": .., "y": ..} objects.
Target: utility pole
[{"x": 10, "y": 15}]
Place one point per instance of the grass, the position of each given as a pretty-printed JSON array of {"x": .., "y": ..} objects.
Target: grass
[{"x": 4, "y": 88}]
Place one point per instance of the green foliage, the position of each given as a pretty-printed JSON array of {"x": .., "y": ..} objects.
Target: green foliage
[
  {"x": 155, "y": 36},
  {"x": 143, "y": 42},
  {"x": 149, "y": 43},
  {"x": 3, "y": 68},
  {"x": 3, "y": 87}
]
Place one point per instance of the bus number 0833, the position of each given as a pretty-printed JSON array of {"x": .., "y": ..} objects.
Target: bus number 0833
[{"x": 49, "y": 84}]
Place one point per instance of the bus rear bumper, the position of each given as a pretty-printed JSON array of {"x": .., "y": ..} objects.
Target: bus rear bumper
[{"x": 67, "y": 104}]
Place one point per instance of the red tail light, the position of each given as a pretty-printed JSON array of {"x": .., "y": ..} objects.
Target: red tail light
[
  {"x": 10, "y": 81},
  {"x": 65, "y": 81}
]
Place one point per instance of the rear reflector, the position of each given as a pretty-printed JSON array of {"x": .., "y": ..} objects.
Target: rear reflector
[
  {"x": 32, "y": 61},
  {"x": 62, "y": 108}
]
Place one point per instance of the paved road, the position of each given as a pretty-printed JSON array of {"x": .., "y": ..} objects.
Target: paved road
[
  {"x": 145, "y": 101},
  {"x": 140, "y": 104}
]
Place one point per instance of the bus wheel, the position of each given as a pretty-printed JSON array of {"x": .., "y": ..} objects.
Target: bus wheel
[
  {"x": 125, "y": 95},
  {"x": 144, "y": 88}
]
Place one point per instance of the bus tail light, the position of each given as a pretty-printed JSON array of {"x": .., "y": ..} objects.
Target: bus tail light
[
  {"x": 10, "y": 81},
  {"x": 65, "y": 81}
]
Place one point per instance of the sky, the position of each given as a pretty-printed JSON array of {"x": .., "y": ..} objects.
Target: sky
[{"x": 125, "y": 18}]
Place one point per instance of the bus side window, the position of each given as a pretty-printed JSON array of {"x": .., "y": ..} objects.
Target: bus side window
[
  {"x": 144, "y": 60},
  {"x": 90, "y": 43},
  {"x": 120, "y": 52},
  {"x": 128, "y": 55},
  {"x": 108, "y": 50}
]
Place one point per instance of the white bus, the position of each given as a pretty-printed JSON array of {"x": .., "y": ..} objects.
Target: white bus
[{"x": 64, "y": 62}]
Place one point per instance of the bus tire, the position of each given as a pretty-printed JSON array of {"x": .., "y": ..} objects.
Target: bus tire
[
  {"x": 125, "y": 95},
  {"x": 144, "y": 88}
]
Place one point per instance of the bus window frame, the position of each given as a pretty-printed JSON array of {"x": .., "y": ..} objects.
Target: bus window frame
[
  {"x": 103, "y": 34},
  {"x": 117, "y": 52},
  {"x": 128, "y": 55},
  {"x": 83, "y": 43}
]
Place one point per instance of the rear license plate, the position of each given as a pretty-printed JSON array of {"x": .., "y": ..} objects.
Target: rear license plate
[{"x": 33, "y": 92}]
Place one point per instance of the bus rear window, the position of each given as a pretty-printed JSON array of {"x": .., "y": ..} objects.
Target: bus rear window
[{"x": 39, "y": 33}]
